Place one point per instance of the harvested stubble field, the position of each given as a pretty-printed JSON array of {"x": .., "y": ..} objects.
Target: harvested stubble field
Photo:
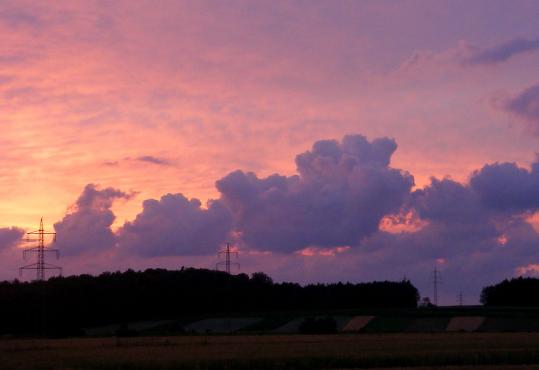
[{"x": 455, "y": 350}]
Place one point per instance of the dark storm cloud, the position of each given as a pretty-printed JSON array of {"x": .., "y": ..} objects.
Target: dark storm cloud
[
  {"x": 175, "y": 225},
  {"x": 342, "y": 191},
  {"x": 86, "y": 229},
  {"x": 525, "y": 105},
  {"x": 503, "y": 52},
  {"x": 10, "y": 236}
]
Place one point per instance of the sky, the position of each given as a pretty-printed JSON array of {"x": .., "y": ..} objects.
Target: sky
[{"x": 326, "y": 140}]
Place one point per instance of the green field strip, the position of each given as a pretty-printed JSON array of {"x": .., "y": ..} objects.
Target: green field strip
[
  {"x": 291, "y": 326},
  {"x": 341, "y": 321},
  {"x": 139, "y": 326},
  {"x": 267, "y": 324},
  {"x": 510, "y": 324},
  {"x": 356, "y": 323},
  {"x": 387, "y": 324},
  {"x": 428, "y": 325},
  {"x": 220, "y": 325},
  {"x": 465, "y": 323}
]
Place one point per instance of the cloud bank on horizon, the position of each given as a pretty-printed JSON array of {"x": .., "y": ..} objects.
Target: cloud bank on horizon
[{"x": 332, "y": 210}]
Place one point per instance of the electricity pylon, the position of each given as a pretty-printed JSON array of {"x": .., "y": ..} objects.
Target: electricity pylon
[
  {"x": 40, "y": 266},
  {"x": 226, "y": 263},
  {"x": 436, "y": 280}
]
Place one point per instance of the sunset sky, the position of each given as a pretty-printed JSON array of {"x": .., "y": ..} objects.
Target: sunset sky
[{"x": 328, "y": 140}]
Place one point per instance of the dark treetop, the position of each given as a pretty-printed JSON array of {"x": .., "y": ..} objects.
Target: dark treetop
[{"x": 522, "y": 292}]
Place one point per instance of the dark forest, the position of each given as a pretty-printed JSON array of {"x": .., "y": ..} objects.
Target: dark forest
[{"x": 65, "y": 305}]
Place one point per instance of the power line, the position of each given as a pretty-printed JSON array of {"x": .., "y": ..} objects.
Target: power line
[
  {"x": 40, "y": 265},
  {"x": 227, "y": 261}
]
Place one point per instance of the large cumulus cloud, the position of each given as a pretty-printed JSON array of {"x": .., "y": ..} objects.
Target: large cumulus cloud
[
  {"x": 507, "y": 187},
  {"x": 477, "y": 233},
  {"x": 456, "y": 220},
  {"x": 479, "y": 230},
  {"x": 341, "y": 192},
  {"x": 87, "y": 227},
  {"x": 175, "y": 225},
  {"x": 487, "y": 216}
]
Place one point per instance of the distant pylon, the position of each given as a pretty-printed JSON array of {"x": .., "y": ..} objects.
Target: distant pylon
[
  {"x": 227, "y": 263},
  {"x": 40, "y": 266},
  {"x": 436, "y": 280},
  {"x": 461, "y": 298}
]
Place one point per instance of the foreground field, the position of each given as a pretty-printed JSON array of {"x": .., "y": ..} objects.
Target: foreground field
[{"x": 456, "y": 350}]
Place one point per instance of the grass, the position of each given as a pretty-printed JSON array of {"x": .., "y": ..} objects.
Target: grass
[{"x": 273, "y": 352}]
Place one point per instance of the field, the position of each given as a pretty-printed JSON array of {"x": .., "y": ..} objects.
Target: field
[{"x": 340, "y": 351}]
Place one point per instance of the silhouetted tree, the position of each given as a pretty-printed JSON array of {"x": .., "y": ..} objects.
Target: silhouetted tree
[
  {"x": 515, "y": 292},
  {"x": 261, "y": 278}
]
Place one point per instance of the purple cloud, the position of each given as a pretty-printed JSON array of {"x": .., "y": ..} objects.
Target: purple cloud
[
  {"x": 475, "y": 233},
  {"x": 175, "y": 225},
  {"x": 10, "y": 236},
  {"x": 525, "y": 105},
  {"x": 454, "y": 223},
  {"x": 86, "y": 229},
  {"x": 153, "y": 160},
  {"x": 342, "y": 191},
  {"x": 446, "y": 201},
  {"x": 503, "y": 52},
  {"x": 507, "y": 187},
  {"x": 482, "y": 217},
  {"x": 20, "y": 18}
]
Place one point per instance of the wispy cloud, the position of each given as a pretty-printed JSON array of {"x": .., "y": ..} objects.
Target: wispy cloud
[
  {"x": 524, "y": 105},
  {"x": 502, "y": 52},
  {"x": 154, "y": 160}
]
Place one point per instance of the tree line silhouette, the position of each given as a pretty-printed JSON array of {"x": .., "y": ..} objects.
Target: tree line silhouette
[
  {"x": 518, "y": 292},
  {"x": 64, "y": 305}
]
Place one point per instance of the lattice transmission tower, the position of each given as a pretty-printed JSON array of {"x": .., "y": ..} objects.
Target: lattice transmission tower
[
  {"x": 436, "y": 280},
  {"x": 40, "y": 265},
  {"x": 460, "y": 298},
  {"x": 226, "y": 263}
]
